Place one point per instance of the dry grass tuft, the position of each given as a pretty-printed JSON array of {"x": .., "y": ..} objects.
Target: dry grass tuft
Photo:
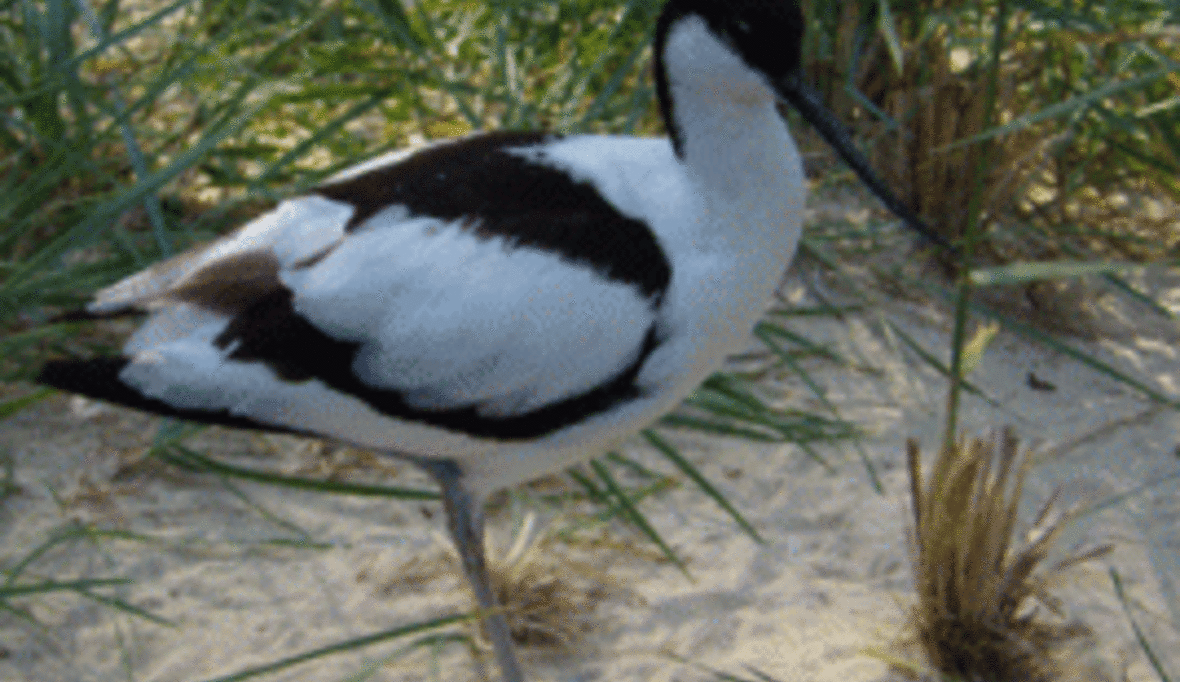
[
  {"x": 1078, "y": 188},
  {"x": 941, "y": 105},
  {"x": 549, "y": 598},
  {"x": 979, "y": 616}
]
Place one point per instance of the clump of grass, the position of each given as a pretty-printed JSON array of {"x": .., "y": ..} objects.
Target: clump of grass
[
  {"x": 549, "y": 598},
  {"x": 978, "y": 616},
  {"x": 1074, "y": 149}
]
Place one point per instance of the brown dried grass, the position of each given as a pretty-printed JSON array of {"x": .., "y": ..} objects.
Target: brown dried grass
[
  {"x": 549, "y": 598},
  {"x": 978, "y": 615},
  {"x": 1080, "y": 192}
]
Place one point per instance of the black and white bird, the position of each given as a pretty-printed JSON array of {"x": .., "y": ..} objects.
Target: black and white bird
[{"x": 501, "y": 306}]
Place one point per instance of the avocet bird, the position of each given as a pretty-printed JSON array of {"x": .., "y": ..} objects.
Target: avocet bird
[{"x": 501, "y": 306}]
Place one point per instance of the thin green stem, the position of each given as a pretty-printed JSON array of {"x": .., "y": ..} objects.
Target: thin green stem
[{"x": 971, "y": 234}]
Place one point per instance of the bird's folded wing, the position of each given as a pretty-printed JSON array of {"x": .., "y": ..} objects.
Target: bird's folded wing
[{"x": 425, "y": 315}]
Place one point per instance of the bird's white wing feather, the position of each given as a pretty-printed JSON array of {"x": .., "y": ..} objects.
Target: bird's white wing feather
[{"x": 451, "y": 319}]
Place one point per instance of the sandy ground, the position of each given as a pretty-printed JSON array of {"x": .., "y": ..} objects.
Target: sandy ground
[{"x": 831, "y": 580}]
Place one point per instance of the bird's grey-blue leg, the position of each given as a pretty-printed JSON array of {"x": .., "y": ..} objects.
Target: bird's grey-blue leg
[{"x": 465, "y": 518}]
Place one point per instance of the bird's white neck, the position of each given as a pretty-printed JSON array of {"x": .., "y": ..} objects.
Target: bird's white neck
[{"x": 733, "y": 142}]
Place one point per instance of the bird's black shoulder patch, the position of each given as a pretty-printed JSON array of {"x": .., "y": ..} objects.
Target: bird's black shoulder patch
[{"x": 495, "y": 193}]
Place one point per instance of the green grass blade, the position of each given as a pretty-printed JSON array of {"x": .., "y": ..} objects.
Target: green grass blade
[
  {"x": 192, "y": 461},
  {"x": 631, "y": 513},
  {"x": 343, "y": 647},
  {"x": 673, "y": 455},
  {"x": 1140, "y": 637},
  {"x": 11, "y": 591}
]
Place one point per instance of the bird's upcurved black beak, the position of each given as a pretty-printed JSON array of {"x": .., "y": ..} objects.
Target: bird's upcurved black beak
[{"x": 804, "y": 98}]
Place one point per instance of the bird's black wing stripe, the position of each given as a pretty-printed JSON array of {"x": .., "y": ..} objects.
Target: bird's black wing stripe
[
  {"x": 500, "y": 194},
  {"x": 291, "y": 347},
  {"x": 272, "y": 332},
  {"x": 99, "y": 378}
]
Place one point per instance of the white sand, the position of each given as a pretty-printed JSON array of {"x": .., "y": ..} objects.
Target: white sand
[{"x": 832, "y": 579}]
